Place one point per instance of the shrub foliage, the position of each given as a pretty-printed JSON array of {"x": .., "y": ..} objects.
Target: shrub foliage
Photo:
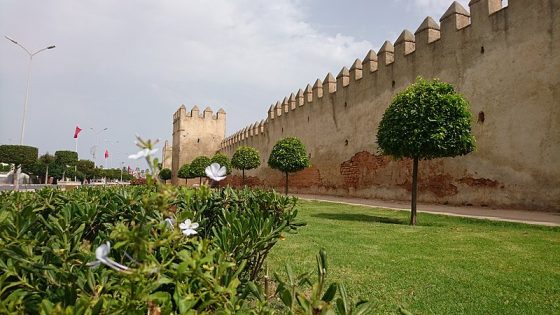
[{"x": 48, "y": 237}]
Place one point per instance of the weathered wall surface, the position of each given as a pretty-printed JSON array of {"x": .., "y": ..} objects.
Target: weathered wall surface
[
  {"x": 505, "y": 61},
  {"x": 195, "y": 134}
]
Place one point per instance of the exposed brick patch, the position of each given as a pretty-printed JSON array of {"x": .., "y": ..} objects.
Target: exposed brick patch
[
  {"x": 361, "y": 166},
  {"x": 237, "y": 181},
  {"x": 479, "y": 182},
  {"x": 305, "y": 178}
]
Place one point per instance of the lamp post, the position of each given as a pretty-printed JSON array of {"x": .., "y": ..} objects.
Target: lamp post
[
  {"x": 30, "y": 54},
  {"x": 96, "y": 143}
]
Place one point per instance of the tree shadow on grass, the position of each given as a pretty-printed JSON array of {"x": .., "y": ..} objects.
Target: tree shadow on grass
[{"x": 359, "y": 217}]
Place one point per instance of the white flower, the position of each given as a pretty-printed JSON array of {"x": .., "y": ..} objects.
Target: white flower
[
  {"x": 142, "y": 154},
  {"x": 189, "y": 228},
  {"x": 170, "y": 223},
  {"x": 215, "y": 172},
  {"x": 101, "y": 254}
]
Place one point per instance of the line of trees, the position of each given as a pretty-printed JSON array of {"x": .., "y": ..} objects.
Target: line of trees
[
  {"x": 62, "y": 164},
  {"x": 427, "y": 120},
  {"x": 288, "y": 155}
]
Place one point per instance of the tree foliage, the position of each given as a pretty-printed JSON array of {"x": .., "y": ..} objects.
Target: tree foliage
[
  {"x": 66, "y": 157},
  {"x": 198, "y": 165},
  {"x": 223, "y": 160},
  {"x": 246, "y": 158},
  {"x": 165, "y": 174},
  {"x": 288, "y": 155},
  {"x": 87, "y": 168},
  {"x": 18, "y": 154},
  {"x": 183, "y": 171},
  {"x": 425, "y": 121}
]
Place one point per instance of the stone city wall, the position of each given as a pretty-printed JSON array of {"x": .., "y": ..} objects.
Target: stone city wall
[{"x": 505, "y": 61}]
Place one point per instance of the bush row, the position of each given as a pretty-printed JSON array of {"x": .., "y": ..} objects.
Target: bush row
[{"x": 48, "y": 238}]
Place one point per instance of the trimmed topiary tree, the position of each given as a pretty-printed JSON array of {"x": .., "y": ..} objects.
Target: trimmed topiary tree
[
  {"x": 197, "y": 167},
  {"x": 19, "y": 155},
  {"x": 165, "y": 174},
  {"x": 184, "y": 172},
  {"x": 223, "y": 160},
  {"x": 425, "y": 121},
  {"x": 245, "y": 158},
  {"x": 288, "y": 155}
]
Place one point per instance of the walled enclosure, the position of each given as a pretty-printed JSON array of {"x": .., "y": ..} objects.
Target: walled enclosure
[
  {"x": 505, "y": 61},
  {"x": 195, "y": 134}
]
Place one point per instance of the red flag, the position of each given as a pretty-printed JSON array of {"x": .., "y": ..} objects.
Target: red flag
[
  {"x": 106, "y": 154},
  {"x": 76, "y": 132}
]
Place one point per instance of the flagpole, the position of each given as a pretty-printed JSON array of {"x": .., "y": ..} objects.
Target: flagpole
[{"x": 75, "y": 166}]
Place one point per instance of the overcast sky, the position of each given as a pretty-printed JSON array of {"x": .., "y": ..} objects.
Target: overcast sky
[{"x": 128, "y": 65}]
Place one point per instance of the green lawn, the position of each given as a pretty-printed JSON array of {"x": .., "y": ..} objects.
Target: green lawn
[{"x": 445, "y": 265}]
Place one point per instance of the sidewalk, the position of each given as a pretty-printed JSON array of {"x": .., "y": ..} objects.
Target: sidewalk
[{"x": 522, "y": 216}]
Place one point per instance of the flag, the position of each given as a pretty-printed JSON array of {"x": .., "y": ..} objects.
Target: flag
[
  {"x": 76, "y": 132},
  {"x": 106, "y": 154}
]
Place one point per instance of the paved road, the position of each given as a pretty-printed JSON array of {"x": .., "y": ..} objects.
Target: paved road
[{"x": 523, "y": 216}]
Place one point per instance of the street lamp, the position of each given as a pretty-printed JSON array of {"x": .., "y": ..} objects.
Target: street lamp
[
  {"x": 96, "y": 142},
  {"x": 30, "y": 54}
]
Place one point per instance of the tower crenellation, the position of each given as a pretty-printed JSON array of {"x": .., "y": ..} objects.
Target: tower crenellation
[
  {"x": 386, "y": 54},
  {"x": 343, "y": 78}
]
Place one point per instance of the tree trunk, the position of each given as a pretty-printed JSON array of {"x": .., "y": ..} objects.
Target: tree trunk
[
  {"x": 286, "y": 188},
  {"x": 200, "y": 182},
  {"x": 47, "y": 175},
  {"x": 243, "y": 179},
  {"x": 414, "y": 191},
  {"x": 17, "y": 170}
]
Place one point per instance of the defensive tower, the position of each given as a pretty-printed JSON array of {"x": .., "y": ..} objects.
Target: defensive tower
[{"x": 195, "y": 134}]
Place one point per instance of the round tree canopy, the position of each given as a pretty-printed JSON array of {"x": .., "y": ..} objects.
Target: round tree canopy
[
  {"x": 66, "y": 157},
  {"x": 288, "y": 155},
  {"x": 165, "y": 174},
  {"x": 223, "y": 160},
  {"x": 183, "y": 171},
  {"x": 18, "y": 154},
  {"x": 427, "y": 120},
  {"x": 246, "y": 158},
  {"x": 197, "y": 167}
]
